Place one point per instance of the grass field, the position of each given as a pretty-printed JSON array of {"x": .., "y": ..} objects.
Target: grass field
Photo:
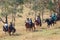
[{"x": 42, "y": 33}]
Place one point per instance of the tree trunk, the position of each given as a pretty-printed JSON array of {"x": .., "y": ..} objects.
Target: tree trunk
[
  {"x": 58, "y": 13},
  {"x": 6, "y": 19},
  {"x": 35, "y": 15},
  {"x": 42, "y": 16},
  {"x": 14, "y": 19},
  {"x": 42, "y": 13},
  {"x": 59, "y": 10}
]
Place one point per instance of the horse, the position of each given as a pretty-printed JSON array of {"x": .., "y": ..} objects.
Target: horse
[
  {"x": 38, "y": 23},
  {"x": 50, "y": 22},
  {"x": 30, "y": 27},
  {"x": 9, "y": 30}
]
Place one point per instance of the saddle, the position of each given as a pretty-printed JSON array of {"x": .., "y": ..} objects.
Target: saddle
[
  {"x": 29, "y": 25},
  {"x": 37, "y": 23}
]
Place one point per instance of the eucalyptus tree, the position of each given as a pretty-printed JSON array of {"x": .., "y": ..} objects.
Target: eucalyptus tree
[
  {"x": 4, "y": 7},
  {"x": 39, "y": 5},
  {"x": 55, "y": 6},
  {"x": 59, "y": 9},
  {"x": 10, "y": 6},
  {"x": 57, "y": 3},
  {"x": 14, "y": 6}
]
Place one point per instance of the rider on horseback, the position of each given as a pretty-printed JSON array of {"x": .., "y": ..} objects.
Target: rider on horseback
[
  {"x": 5, "y": 27},
  {"x": 11, "y": 27},
  {"x": 54, "y": 17},
  {"x": 29, "y": 21},
  {"x": 38, "y": 19}
]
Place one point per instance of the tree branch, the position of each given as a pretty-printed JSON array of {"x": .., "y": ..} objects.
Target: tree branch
[{"x": 1, "y": 20}]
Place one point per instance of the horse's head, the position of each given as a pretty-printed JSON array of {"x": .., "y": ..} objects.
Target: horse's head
[{"x": 47, "y": 20}]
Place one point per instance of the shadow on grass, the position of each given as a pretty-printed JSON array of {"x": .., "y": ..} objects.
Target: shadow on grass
[
  {"x": 44, "y": 28},
  {"x": 17, "y": 34},
  {"x": 40, "y": 30},
  {"x": 37, "y": 30},
  {"x": 57, "y": 28},
  {"x": 54, "y": 33}
]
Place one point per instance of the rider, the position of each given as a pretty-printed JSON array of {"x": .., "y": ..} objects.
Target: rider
[
  {"x": 54, "y": 17},
  {"x": 30, "y": 22},
  {"x": 27, "y": 21},
  {"x": 6, "y": 26},
  {"x": 11, "y": 26},
  {"x": 38, "y": 19}
]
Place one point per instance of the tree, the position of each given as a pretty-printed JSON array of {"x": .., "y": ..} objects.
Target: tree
[
  {"x": 10, "y": 6},
  {"x": 58, "y": 9},
  {"x": 14, "y": 6},
  {"x": 4, "y": 7},
  {"x": 39, "y": 5}
]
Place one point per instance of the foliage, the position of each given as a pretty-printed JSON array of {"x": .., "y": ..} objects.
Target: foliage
[{"x": 50, "y": 5}]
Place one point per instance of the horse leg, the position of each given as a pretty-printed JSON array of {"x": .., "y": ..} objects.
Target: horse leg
[
  {"x": 34, "y": 28},
  {"x": 53, "y": 24},
  {"x": 13, "y": 31},
  {"x": 5, "y": 33},
  {"x": 29, "y": 29},
  {"x": 10, "y": 33},
  {"x": 48, "y": 26},
  {"x": 40, "y": 24}
]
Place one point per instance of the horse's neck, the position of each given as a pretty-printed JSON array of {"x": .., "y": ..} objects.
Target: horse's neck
[{"x": 47, "y": 20}]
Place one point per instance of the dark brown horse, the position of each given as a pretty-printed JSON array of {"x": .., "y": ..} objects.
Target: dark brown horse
[
  {"x": 49, "y": 22},
  {"x": 38, "y": 23},
  {"x": 9, "y": 30},
  {"x": 30, "y": 27}
]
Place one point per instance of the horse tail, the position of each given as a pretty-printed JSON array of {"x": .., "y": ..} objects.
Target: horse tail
[
  {"x": 40, "y": 23},
  {"x": 14, "y": 30},
  {"x": 33, "y": 26}
]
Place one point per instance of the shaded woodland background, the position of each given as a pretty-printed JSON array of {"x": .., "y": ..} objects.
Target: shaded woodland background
[{"x": 14, "y": 7}]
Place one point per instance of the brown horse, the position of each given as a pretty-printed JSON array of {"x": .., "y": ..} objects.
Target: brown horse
[
  {"x": 30, "y": 27},
  {"x": 38, "y": 23}
]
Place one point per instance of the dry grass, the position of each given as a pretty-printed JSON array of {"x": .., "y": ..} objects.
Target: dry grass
[{"x": 42, "y": 33}]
